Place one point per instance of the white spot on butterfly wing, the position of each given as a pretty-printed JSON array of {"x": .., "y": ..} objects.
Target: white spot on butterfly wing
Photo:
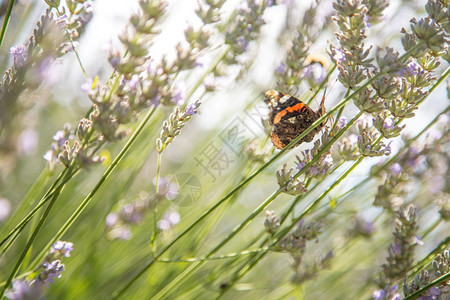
[{"x": 284, "y": 99}]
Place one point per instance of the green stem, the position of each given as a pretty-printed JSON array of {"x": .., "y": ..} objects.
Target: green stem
[
  {"x": 294, "y": 223},
  {"x": 426, "y": 260},
  {"x": 340, "y": 111},
  {"x": 415, "y": 295},
  {"x": 36, "y": 189},
  {"x": 202, "y": 258},
  {"x": 193, "y": 267},
  {"x": 182, "y": 276},
  {"x": 6, "y": 20},
  {"x": 89, "y": 197},
  {"x": 119, "y": 292},
  {"x": 283, "y": 218},
  {"x": 241, "y": 185},
  {"x": 155, "y": 204},
  {"x": 50, "y": 192},
  {"x": 313, "y": 205},
  {"x": 432, "y": 227},
  {"x": 32, "y": 238},
  {"x": 74, "y": 50}
]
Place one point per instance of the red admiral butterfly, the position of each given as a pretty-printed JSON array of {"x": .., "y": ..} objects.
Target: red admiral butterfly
[{"x": 290, "y": 117}]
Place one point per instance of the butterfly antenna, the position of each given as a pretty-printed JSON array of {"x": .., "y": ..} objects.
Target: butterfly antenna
[{"x": 323, "y": 97}]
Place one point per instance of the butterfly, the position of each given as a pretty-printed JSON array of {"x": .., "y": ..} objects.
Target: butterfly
[{"x": 289, "y": 117}]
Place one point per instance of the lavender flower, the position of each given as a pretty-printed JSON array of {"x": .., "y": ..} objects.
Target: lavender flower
[
  {"x": 245, "y": 28},
  {"x": 60, "y": 147},
  {"x": 389, "y": 63},
  {"x": 147, "y": 83},
  {"x": 169, "y": 220},
  {"x": 394, "y": 187},
  {"x": 295, "y": 241},
  {"x": 350, "y": 17},
  {"x": 51, "y": 271},
  {"x": 24, "y": 290},
  {"x": 255, "y": 153},
  {"x": 167, "y": 188},
  {"x": 133, "y": 84},
  {"x": 396, "y": 168},
  {"x": 61, "y": 136},
  {"x": 120, "y": 232},
  {"x": 179, "y": 94},
  {"x": 111, "y": 219},
  {"x": 271, "y": 223},
  {"x": 191, "y": 109},
  {"x": 347, "y": 147},
  {"x": 341, "y": 123},
  {"x": 27, "y": 141},
  {"x": 362, "y": 228},
  {"x": 49, "y": 156},
  {"x": 120, "y": 221},
  {"x": 172, "y": 127},
  {"x": 210, "y": 82},
  {"x": 19, "y": 53},
  {"x": 367, "y": 146},
  {"x": 386, "y": 87},
  {"x": 209, "y": 11},
  {"x": 52, "y": 3},
  {"x": 443, "y": 205},
  {"x": 87, "y": 86},
  {"x": 310, "y": 271},
  {"x": 47, "y": 42},
  {"x": 402, "y": 250},
  {"x": 281, "y": 68},
  {"x": 61, "y": 248},
  {"x": 295, "y": 244},
  {"x": 288, "y": 183},
  {"x": 412, "y": 69},
  {"x": 369, "y": 102},
  {"x": 388, "y": 123},
  {"x": 439, "y": 267},
  {"x": 338, "y": 55},
  {"x": 388, "y": 293}
]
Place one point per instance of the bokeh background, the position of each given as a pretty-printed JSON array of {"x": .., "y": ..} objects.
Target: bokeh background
[{"x": 106, "y": 257}]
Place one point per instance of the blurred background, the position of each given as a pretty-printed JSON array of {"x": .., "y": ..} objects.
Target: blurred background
[{"x": 106, "y": 256}]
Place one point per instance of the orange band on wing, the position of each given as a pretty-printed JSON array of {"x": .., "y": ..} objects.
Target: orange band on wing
[
  {"x": 278, "y": 116},
  {"x": 276, "y": 141}
]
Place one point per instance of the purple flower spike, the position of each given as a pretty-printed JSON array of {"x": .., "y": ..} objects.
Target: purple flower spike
[
  {"x": 19, "y": 55},
  {"x": 62, "y": 247},
  {"x": 281, "y": 68},
  {"x": 378, "y": 295},
  {"x": 179, "y": 94},
  {"x": 389, "y": 123},
  {"x": 396, "y": 168},
  {"x": 342, "y": 122},
  {"x": 339, "y": 55},
  {"x": 191, "y": 109}
]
